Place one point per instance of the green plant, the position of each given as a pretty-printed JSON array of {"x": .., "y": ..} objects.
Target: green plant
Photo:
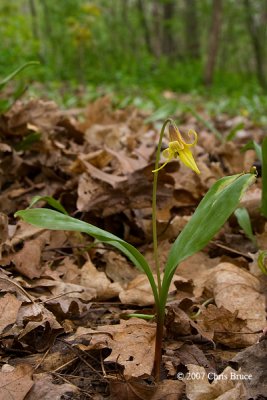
[
  {"x": 261, "y": 152},
  {"x": 6, "y": 103},
  {"x": 212, "y": 212},
  {"x": 244, "y": 222}
]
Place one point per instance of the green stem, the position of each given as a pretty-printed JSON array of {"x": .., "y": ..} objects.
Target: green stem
[
  {"x": 159, "y": 309},
  {"x": 154, "y": 206}
]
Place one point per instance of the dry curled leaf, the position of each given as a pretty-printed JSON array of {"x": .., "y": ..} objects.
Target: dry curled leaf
[
  {"x": 15, "y": 382},
  {"x": 239, "y": 291}
]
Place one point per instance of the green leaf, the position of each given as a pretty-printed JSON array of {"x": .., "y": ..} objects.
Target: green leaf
[
  {"x": 16, "y": 72},
  {"x": 212, "y": 212},
  {"x": 50, "y": 219},
  {"x": 163, "y": 112},
  {"x": 51, "y": 201},
  {"x": 28, "y": 141},
  {"x": 243, "y": 219},
  {"x": 207, "y": 124},
  {"x": 252, "y": 145},
  {"x": 234, "y": 130}
]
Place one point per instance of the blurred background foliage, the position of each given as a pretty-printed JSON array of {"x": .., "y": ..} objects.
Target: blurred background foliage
[{"x": 139, "y": 48}]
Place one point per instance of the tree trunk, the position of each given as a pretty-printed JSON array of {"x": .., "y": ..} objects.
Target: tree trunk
[
  {"x": 157, "y": 24},
  {"x": 168, "y": 44},
  {"x": 144, "y": 22},
  {"x": 213, "y": 45},
  {"x": 191, "y": 29},
  {"x": 258, "y": 45},
  {"x": 32, "y": 8}
]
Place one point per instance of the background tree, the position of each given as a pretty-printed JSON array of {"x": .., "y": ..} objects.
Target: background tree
[
  {"x": 176, "y": 44},
  {"x": 213, "y": 44}
]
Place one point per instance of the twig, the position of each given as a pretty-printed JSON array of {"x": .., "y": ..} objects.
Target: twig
[{"x": 4, "y": 278}]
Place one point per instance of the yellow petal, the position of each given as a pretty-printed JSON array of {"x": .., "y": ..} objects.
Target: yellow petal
[
  {"x": 187, "y": 159},
  {"x": 156, "y": 170}
]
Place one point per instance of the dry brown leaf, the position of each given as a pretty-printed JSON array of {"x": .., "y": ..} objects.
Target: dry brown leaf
[
  {"x": 132, "y": 343},
  {"x": 182, "y": 354},
  {"x": 97, "y": 280},
  {"x": 15, "y": 382},
  {"x": 138, "y": 292},
  {"x": 70, "y": 290},
  {"x": 45, "y": 389},
  {"x": 118, "y": 268},
  {"x": 169, "y": 390},
  {"x": 67, "y": 307},
  {"x": 88, "y": 190},
  {"x": 135, "y": 388},
  {"x": 27, "y": 260},
  {"x": 110, "y": 179},
  {"x": 23, "y": 232},
  {"x": 179, "y": 323},
  {"x": 9, "y": 307},
  {"x": 132, "y": 346},
  {"x": 222, "y": 325},
  {"x": 43, "y": 114},
  {"x": 239, "y": 291},
  {"x": 251, "y": 200},
  {"x": 35, "y": 321},
  {"x": 3, "y": 230},
  {"x": 131, "y": 389},
  {"x": 232, "y": 157},
  {"x": 222, "y": 388},
  {"x": 252, "y": 361}
]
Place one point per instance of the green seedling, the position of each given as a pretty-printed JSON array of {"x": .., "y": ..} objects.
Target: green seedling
[
  {"x": 244, "y": 222},
  {"x": 5, "y": 103},
  {"x": 214, "y": 209},
  {"x": 261, "y": 152}
]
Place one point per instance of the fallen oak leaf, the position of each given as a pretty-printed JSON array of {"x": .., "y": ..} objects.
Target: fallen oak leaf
[
  {"x": 9, "y": 307},
  {"x": 15, "y": 382},
  {"x": 237, "y": 290},
  {"x": 224, "y": 326},
  {"x": 132, "y": 343}
]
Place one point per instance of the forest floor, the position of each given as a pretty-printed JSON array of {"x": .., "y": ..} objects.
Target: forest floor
[{"x": 65, "y": 333}]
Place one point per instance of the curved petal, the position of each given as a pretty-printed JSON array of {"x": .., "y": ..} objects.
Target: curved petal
[
  {"x": 192, "y": 132},
  {"x": 187, "y": 159},
  {"x": 156, "y": 170}
]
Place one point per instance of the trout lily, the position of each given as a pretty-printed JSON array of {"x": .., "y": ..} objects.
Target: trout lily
[{"x": 179, "y": 148}]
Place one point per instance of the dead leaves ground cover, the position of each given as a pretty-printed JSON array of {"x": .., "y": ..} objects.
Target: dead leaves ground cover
[{"x": 64, "y": 299}]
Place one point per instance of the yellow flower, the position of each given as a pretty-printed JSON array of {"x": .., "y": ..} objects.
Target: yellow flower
[{"x": 179, "y": 148}]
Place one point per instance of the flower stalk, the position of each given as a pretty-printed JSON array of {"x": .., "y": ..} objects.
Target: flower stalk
[{"x": 177, "y": 148}]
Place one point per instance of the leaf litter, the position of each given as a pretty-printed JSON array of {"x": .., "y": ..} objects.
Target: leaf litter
[{"x": 65, "y": 298}]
